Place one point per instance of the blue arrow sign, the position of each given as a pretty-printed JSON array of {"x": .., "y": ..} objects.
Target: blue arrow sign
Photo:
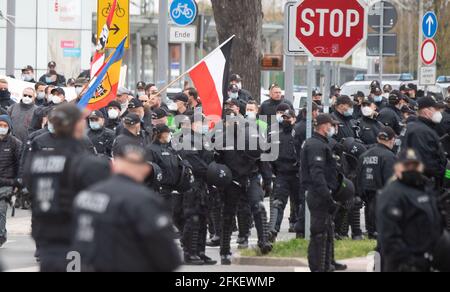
[
  {"x": 429, "y": 25},
  {"x": 183, "y": 12}
]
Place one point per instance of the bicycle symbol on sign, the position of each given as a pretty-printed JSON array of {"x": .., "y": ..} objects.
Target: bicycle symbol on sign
[
  {"x": 182, "y": 9},
  {"x": 120, "y": 12}
]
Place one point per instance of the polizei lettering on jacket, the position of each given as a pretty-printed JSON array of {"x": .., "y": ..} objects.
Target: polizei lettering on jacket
[{"x": 50, "y": 164}]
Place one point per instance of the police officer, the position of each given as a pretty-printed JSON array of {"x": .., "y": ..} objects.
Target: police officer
[
  {"x": 369, "y": 127},
  {"x": 195, "y": 199},
  {"x": 358, "y": 99},
  {"x": 320, "y": 178},
  {"x": 10, "y": 148},
  {"x": 423, "y": 138},
  {"x": 408, "y": 220},
  {"x": 343, "y": 113},
  {"x": 241, "y": 163},
  {"x": 131, "y": 133},
  {"x": 54, "y": 174},
  {"x": 101, "y": 137},
  {"x": 375, "y": 168},
  {"x": 286, "y": 170},
  {"x": 390, "y": 116},
  {"x": 120, "y": 225},
  {"x": 380, "y": 98}
]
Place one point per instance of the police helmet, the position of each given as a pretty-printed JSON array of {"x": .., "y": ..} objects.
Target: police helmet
[
  {"x": 353, "y": 147},
  {"x": 219, "y": 175},
  {"x": 441, "y": 254},
  {"x": 346, "y": 191}
]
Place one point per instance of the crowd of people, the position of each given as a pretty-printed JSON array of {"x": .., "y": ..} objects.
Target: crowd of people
[{"x": 115, "y": 185}]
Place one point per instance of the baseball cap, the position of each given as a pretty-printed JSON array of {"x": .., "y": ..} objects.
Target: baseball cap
[
  {"x": 409, "y": 155},
  {"x": 235, "y": 77},
  {"x": 316, "y": 93},
  {"x": 386, "y": 134},
  {"x": 132, "y": 119},
  {"x": 96, "y": 115},
  {"x": 359, "y": 94},
  {"x": 283, "y": 107},
  {"x": 161, "y": 128},
  {"x": 407, "y": 110},
  {"x": 135, "y": 103},
  {"x": 427, "y": 102},
  {"x": 325, "y": 119},
  {"x": 233, "y": 88},
  {"x": 140, "y": 84},
  {"x": 289, "y": 114},
  {"x": 181, "y": 97},
  {"x": 159, "y": 114},
  {"x": 115, "y": 104}
]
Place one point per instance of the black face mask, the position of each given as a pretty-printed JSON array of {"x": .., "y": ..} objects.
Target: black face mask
[
  {"x": 413, "y": 178},
  {"x": 318, "y": 102},
  {"x": 4, "y": 94},
  {"x": 286, "y": 124}
]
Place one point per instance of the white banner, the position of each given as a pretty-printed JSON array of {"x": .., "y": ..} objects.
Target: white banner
[{"x": 17, "y": 86}]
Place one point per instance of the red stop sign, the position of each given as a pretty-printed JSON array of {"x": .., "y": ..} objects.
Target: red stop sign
[{"x": 331, "y": 29}]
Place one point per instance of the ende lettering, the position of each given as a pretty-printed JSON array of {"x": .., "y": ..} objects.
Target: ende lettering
[
  {"x": 51, "y": 164},
  {"x": 183, "y": 35}
]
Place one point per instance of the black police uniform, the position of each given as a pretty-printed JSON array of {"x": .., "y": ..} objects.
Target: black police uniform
[
  {"x": 113, "y": 124},
  {"x": 127, "y": 138},
  {"x": 167, "y": 158},
  {"x": 287, "y": 181},
  {"x": 409, "y": 225},
  {"x": 375, "y": 168},
  {"x": 320, "y": 178},
  {"x": 121, "y": 226},
  {"x": 422, "y": 137},
  {"x": 55, "y": 172},
  {"x": 345, "y": 126},
  {"x": 391, "y": 116},
  {"x": 103, "y": 140},
  {"x": 368, "y": 130},
  {"x": 195, "y": 207}
]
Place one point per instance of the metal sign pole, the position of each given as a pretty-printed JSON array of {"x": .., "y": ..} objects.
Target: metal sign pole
[
  {"x": 311, "y": 74},
  {"x": 381, "y": 40},
  {"x": 10, "y": 38},
  {"x": 289, "y": 78},
  {"x": 163, "y": 45}
]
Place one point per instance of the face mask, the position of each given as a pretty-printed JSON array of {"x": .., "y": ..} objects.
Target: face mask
[
  {"x": 318, "y": 102},
  {"x": 113, "y": 114},
  {"x": 413, "y": 178},
  {"x": 27, "y": 100},
  {"x": 48, "y": 80},
  {"x": 78, "y": 90},
  {"x": 233, "y": 95},
  {"x": 141, "y": 93},
  {"x": 378, "y": 98},
  {"x": 251, "y": 116},
  {"x": 56, "y": 99},
  {"x": 279, "y": 118},
  {"x": 286, "y": 124},
  {"x": 437, "y": 117},
  {"x": 40, "y": 95},
  {"x": 172, "y": 107},
  {"x": 4, "y": 131},
  {"x": 5, "y": 93},
  {"x": 50, "y": 128},
  {"x": 331, "y": 132},
  {"x": 239, "y": 85},
  {"x": 367, "y": 111},
  {"x": 349, "y": 112},
  {"x": 95, "y": 126},
  {"x": 27, "y": 77}
]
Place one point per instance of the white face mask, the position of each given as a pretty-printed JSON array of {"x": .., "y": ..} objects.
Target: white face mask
[
  {"x": 251, "y": 115},
  {"x": 56, "y": 99},
  {"x": 50, "y": 128},
  {"x": 140, "y": 93},
  {"x": 27, "y": 77},
  {"x": 280, "y": 118},
  {"x": 367, "y": 111},
  {"x": 233, "y": 95},
  {"x": 331, "y": 132},
  {"x": 78, "y": 90},
  {"x": 113, "y": 114},
  {"x": 4, "y": 131},
  {"x": 40, "y": 95},
  {"x": 239, "y": 85},
  {"x": 27, "y": 100},
  {"x": 437, "y": 117},
  {"x": 173, "y": 107}
]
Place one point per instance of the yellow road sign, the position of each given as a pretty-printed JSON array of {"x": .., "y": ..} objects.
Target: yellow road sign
[{"x": 120, "y": 26}]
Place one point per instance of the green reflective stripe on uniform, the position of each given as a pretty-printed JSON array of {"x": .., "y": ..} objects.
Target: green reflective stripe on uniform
[
  {"x": 263, "y": 125},
  {"x": 171, "y": 123},
  {"x": 447, "y": 174}
]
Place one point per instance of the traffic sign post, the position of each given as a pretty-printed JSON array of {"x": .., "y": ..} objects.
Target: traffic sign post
[
  {"x": 330, "y": 30},
  {"x": 428, "y": 75},
  {"x": 292, "y": 46},
  {"x": 183, "y": 12},
  {"x": 120, "y": 26},
  {"x": 390, "y": 16}
]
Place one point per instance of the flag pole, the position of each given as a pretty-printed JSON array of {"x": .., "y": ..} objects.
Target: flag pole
[{"x": 189, "y": 71}]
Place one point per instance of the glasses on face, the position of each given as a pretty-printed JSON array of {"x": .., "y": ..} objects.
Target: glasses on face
[{"x": 26, "y": 95}]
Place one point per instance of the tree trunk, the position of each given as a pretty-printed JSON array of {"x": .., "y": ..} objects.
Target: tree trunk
[{"x": 244, "y": 19}]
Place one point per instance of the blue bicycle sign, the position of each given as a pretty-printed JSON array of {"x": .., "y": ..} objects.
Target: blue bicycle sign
[{"x": 183, "y": 12}]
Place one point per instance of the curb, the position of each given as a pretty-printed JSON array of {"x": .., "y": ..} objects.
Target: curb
[{"x": 269, "y": 262}]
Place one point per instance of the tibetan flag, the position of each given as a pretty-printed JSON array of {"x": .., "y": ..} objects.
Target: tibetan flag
[
  {"x": 103, "y": 86},
  {"x": 210, "y": 77}
]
